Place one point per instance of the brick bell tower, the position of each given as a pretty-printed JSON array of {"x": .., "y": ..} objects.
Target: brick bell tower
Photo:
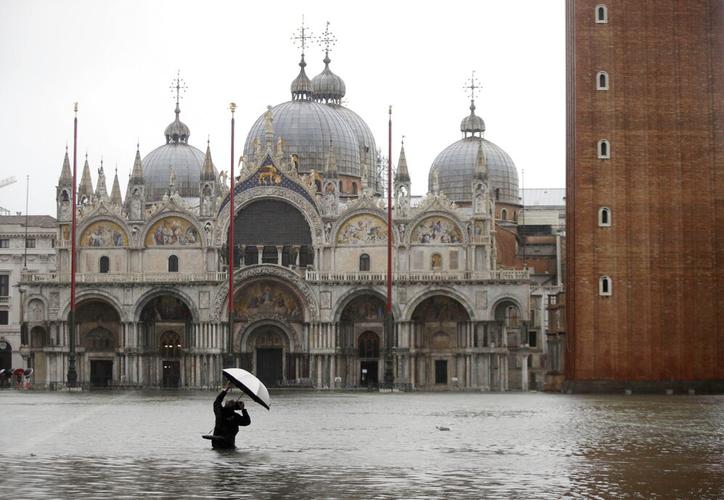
[{"x": 645, "y": 195}]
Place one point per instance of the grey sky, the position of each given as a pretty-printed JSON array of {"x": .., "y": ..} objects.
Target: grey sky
[{"x": 117, "y": 59}]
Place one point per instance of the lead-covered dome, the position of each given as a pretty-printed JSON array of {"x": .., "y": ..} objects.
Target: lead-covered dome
[
  {"x": 455, "y": 165},
  {"x": 308, "y": 129},
  {"x": 185, "y": 159}
]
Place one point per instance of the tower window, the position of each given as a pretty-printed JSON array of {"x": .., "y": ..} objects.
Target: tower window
[
  {"x": 504, "y": 214},
  {"x": 364, "y": 262},
  {"x": 601, "y": 14},
  {"x": 604, "y": 217},
  {"x": 104, "y": 264},
  {"x": 173, "y": 264},
  {"x": 604, "y": 150},
  {"x": 602, "y": 80},
  {"x": 605, "y": 286}
]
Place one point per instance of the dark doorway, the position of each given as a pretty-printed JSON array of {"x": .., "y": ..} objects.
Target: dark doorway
[
  {"x": 441, "y": 371},
  {"x": 368, "y": 373},
  {"x": 101, "y": 373},
  {"x": 171, "y": 374},
  {"x": 269, "y": 366}
]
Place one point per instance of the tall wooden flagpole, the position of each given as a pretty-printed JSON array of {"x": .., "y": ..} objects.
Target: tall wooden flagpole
[
  {"x": 72, "y": 374},
  {"x": 389, "y": 324},
  {"x": 230, "y": 356}
]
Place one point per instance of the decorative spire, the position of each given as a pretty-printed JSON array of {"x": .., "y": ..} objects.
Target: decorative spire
[
  {"x": 301, "y": 86},
  {"x": 207, "y": 171},
  {"x": 177, "y": 131},
  {"x": 268, "y": 126},
  {"x": 481, "y": 169},
  {"x": 85, "y": 189},
  {"x": 402, "y": 173},
  {"x": 65, "y": 176},
  {"x": 330, "y": 168},
  {"x": 101, "y": 191},
  {"x": 116, "y": 191},
  {"x": 472, "y": 123},
  {"x": 137, "y": 172}
]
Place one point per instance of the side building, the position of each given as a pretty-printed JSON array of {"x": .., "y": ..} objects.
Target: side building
[
  {"x": 27, "y": 245},
  {"x": 645, "y": 196}
]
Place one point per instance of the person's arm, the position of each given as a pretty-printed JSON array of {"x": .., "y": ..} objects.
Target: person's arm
[
  {"x": 243, "y": 419},
  {"x": 220, "y": 398}
]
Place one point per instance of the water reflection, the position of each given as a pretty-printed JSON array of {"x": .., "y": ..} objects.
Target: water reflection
[{"x": 136, "y": 444}]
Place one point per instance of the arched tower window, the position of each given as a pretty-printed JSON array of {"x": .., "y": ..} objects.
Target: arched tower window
[
  {"x": 173, "y": 264},
  {"x": 104, "y": 264},
  {"x": 601, "y": 80},
  {"x": 504, "y": 214},
  {"x": 601, "y": 14},
  {"x": 605, "y": 286},
  {"x": 364, "y": 262},
  {"x": 604, "y": 217},
  {"x": 354, "y": 188},
  {"x": 604, "y": 149}
]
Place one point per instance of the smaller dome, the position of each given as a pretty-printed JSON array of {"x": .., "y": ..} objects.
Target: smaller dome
[
  {"x": 472, "y": 123},
  {"x": 327, "y": 86},
  {"x": 177, "y": 131},
  {"x": 301, "y": 86}
]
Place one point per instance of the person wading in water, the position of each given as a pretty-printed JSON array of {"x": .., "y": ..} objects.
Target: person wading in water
[{"x": 227, "y": 420}]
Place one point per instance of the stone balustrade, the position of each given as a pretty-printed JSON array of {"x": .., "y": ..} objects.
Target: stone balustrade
[{"x": 125, "y": 277}]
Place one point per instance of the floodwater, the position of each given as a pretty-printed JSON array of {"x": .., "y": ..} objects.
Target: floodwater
[{"x": 363, "y": 445}]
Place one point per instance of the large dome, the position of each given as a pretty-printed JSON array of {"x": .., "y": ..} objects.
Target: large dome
[
  {"x": 455, "y": 167},
  {"x": 307, "y": 129},
  {"x": 186, "y": 161}
]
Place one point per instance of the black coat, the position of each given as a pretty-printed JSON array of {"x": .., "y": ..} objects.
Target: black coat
[{"x": 227, "y": 423}]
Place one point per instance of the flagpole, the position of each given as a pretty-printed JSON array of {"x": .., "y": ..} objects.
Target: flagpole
[
  {"x": 389, "y": 324},
  {"x": 72, "y": 374},
  {"x": 230, "y": 356}
]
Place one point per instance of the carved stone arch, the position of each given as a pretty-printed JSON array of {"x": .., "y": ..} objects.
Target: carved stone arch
[
  {"x": 247, "y": 274},
  {"x": 241, "y": 200},
  {"x": 348, "y": 297},
  {"x": 293, "y": 340},
  {"x": 100, "y": 295},
  {"x": 347, "y": 216},
  {"x": 507, "y": 298},
  {"x": 432, "y": 214},
  {"x": 444, "y": 291},
  {"x": 160, "y": 291},
  {"x": 190, "y": 218},
  {"x": 107, "y": 217}
]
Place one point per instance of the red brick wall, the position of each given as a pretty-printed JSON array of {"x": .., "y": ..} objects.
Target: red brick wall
[{"x": 664, "y": 183}]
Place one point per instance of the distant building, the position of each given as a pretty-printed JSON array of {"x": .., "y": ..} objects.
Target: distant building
[
  {"x": 645, "y": 209},
  {"x": 23, "y": 248}
]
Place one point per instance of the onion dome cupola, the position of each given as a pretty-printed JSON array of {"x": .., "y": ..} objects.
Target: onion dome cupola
[
  {"x": 326, "y": 86},
  {"x": 455, "y": 167},
  {"x": 307, "y": 128},
  {"x": 177, "y": 153}
]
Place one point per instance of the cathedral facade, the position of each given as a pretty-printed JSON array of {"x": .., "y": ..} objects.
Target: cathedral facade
[{"x": 310, "y": 259}]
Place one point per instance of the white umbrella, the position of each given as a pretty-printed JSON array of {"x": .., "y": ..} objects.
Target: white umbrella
[{"x": 251, "y": 385}]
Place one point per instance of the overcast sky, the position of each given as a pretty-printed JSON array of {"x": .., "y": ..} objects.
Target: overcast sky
[{"x": 118, "y": 58}]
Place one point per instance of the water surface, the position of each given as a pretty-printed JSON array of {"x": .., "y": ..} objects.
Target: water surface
[{"x": 363, "y": 445}]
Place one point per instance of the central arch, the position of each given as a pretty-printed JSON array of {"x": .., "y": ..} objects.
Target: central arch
[{"x": 272, "y": 231}]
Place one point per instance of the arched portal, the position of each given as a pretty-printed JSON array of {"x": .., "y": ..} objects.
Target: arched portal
[
  {"x": 507, "y": 314},
  {"x": 267, "y": 344},
  {"x": 99, "y": 329},
  {"x": 271, "y": 231},
  {"x": 164, "y": 335},
  {"x": 439, "y": 322},
  {"x": 361, "y": 327}
]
